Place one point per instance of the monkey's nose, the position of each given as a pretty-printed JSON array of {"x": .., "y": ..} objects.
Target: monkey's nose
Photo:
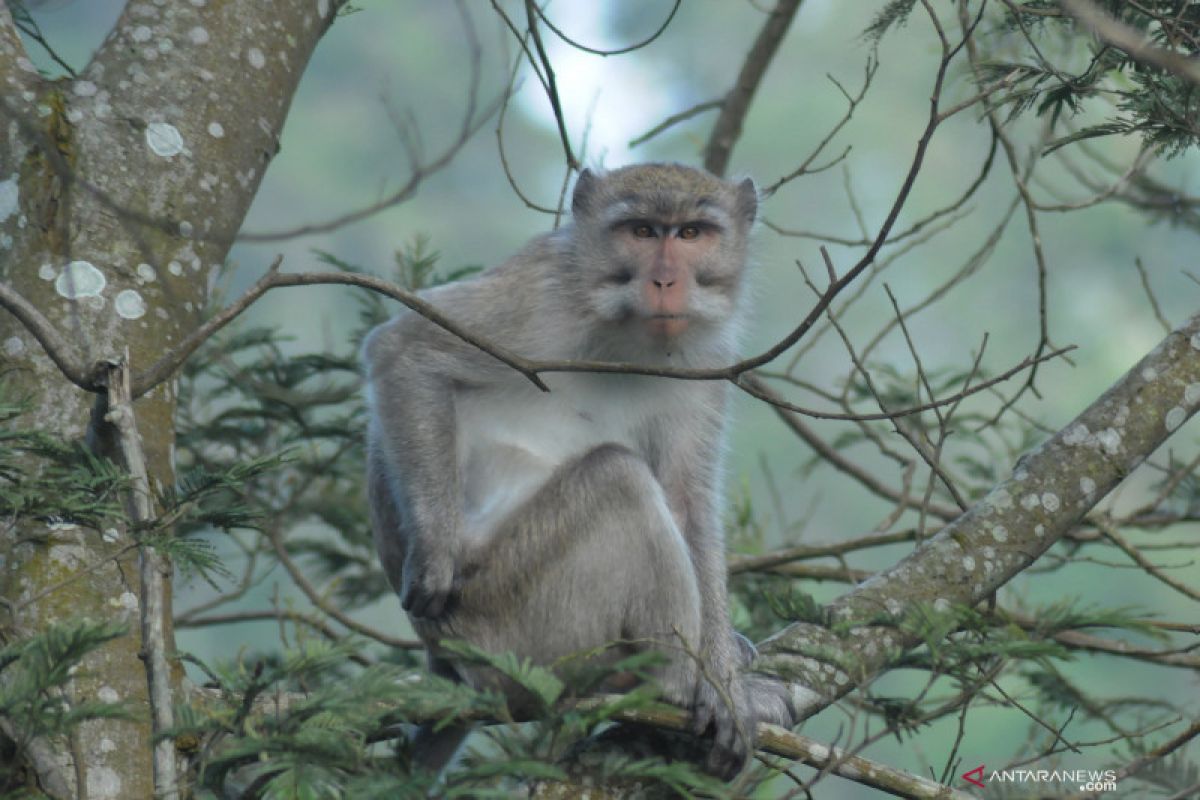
[{"x": 663, "y": 284}]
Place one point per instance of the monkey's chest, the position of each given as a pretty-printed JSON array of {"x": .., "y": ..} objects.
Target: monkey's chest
[{"x": 511, "y": 442}]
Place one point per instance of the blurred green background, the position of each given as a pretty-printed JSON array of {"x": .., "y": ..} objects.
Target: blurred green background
[{"x": 341, "y": 150}]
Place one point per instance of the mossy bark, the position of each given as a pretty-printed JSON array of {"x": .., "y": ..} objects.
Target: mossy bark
[{"x": 120, "y": 194}]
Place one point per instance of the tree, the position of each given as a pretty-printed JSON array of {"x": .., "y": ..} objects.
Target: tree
[{"x": 142, "y": 416}]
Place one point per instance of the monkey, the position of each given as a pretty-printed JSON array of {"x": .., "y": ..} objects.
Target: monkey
[{"x": 551, "y": 523}]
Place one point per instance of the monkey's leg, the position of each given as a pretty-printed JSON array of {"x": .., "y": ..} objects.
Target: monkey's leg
[
  {"x": 593, "y": 557},
  {"x": 385, "y": 516},
  {"x": 433, "y": 748}
]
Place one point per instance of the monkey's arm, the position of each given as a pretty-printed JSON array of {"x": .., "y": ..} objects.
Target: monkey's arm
[
  {"x": 414, "y": 370},
  {"x": 692, "y": 485},
  {"x": 411, "y": 372},
  {"x": 733, "y": 707}
]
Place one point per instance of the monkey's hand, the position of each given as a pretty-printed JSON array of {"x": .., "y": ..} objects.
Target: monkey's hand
[
  {"x": 769, "y": 697},
  {"x": 428, "y": 581},
  {"x": 721, "y": 713},
  {"x": 730, "y": 715}
]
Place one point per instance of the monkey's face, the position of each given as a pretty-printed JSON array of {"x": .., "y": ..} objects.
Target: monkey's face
[
  {"x": 661, "y": 249},
  {"x": 666, "y": 275}
]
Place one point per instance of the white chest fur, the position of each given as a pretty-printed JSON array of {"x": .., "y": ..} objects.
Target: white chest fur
[{"x": 512, "y": 438}]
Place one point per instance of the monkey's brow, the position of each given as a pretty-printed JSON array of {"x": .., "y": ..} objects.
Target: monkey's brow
[
  {"x": 666, "y": 201},
  {"x": 667, "y": 211}
]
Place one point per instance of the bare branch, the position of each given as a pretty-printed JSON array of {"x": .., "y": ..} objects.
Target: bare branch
[
  {"x": 750, "y": 388},
  {"x": 1141, "y": 762},
  {"x": 61, "y": 352},
  {"x": 1020, "y": 175},
  {"x": 619, "y": 51},
  {"x": 314, "y": 597},
  {"x": 852, "y": 102},
  {"x": 473, "y": 119},
  {"x": 530, "y": 368},
  {"x": 531, "y": 16},
  {"x": 1021, "y": 518},
  {"x": 834, "y": 457},
  {"x": 313, "y": 621},
  {"x": 675, "y": 119},
  {"x": 28, "y": 26},
  {"x": 153, "y": 570},
  {"x": 740, "y": 564},
  {"x": 1078, "y": 640},
  {"x": 868, "y": 257},
  {"x": 1150, "y": 569},
  {"x": 728, "y": 127}
]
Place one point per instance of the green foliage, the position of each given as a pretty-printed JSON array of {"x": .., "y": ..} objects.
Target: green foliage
[
  {"x": 57, "y": 482},
  {"x": 34, "y": 672},
  {"x": 308, "y": 725},
  {"x": 978, "y": 447},
  {"x": 893, "y": 15},
  {"x": 1174, "y": 776},
  {"x": 315, "y": 743},
  {"x": 1063, "y": 74},
  {"x": 1070, "y": 615},
  {"x": 539, "y": 683},
  {"x": 1059, "y": 81},
  {"x": 961, "y": 640}
]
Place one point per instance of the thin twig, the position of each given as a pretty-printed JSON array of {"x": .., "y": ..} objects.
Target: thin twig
[
  {"x": 153, "y": 570},
  {"x": 1141, "y": 762},
  {"x": 1150, "y": 296},
  {"x": 675, "y": 119},
  {"x": 739, "y": 564},
  {"x": 1147, "y": 566},
  {"x": 620, "y": 50},
  {"x": 472, "y": 121},
  {"x": 836, "y": 458},
  {"x": 881, "y": 238},
  {"x": 28, "y": 26},
  {"x": 317, "y": 600},
  {"x": 852, "y": 102},
  {"x": 531, "y": 16}
]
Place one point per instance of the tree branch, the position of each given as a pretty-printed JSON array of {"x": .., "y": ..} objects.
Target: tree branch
[
  {"x": 1049, "y": 491},
  {"x": 728, "y": 127},
  {"x": 17, "y": 72},
  {"x": 61, "y": 352},
  {"x": 530, "y": 368},
  {"x": 836, "y": 459},
  {"x": 152, "y": 569},
  {"x": 1142, "y": 761},
  {"x": 1112, "y": 31}
]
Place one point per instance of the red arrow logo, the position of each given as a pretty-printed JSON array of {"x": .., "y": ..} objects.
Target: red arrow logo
[{"x": 978, "y": 777}]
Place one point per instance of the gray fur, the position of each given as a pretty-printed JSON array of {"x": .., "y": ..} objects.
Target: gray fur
[{"x": 547, "y": 524}]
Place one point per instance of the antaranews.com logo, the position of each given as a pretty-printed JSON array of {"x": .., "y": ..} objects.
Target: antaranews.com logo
[{"x": 1085, "y": 780}]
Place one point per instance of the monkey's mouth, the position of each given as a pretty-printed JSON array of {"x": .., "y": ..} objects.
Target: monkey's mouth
[{"x": 667, "y": 325}]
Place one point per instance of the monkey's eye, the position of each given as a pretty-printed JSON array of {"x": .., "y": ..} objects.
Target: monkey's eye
[
  {"x": 643, "y": 231},
  {"x": 689, "y": 232},
  {"x": 620, "y": 278}
]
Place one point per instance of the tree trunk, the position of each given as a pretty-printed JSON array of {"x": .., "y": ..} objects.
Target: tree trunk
[{"x": 120, "y": 194}]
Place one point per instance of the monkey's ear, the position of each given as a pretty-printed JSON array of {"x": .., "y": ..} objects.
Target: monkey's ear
[
  {"x": 747, "y": 200},
  {"x": 585, "y": 187}
]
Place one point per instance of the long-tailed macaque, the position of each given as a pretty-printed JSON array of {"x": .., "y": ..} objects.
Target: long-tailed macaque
[{"x": 548, "y": 523}]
